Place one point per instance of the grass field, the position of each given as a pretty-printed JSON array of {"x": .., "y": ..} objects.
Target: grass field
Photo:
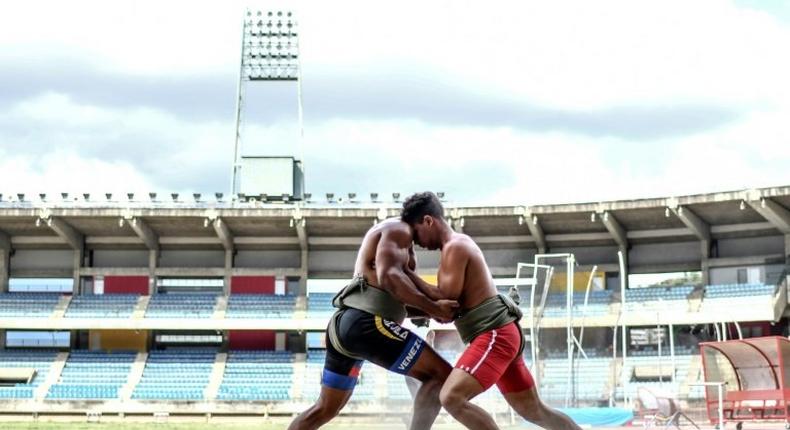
[{"x": 206, "y": 426}]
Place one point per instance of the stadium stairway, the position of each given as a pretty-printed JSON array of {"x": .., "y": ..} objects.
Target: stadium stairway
[
  {"x": 53, "y": 375},
  {"x": 217, "y": 372},
  {"x": 297, "y": 384},
  {"x": 220, "y": 309},
  {"x": 135, "y": 375},
  {"x": 141, "y": 307},
  {"x": 60, "y": 308}
]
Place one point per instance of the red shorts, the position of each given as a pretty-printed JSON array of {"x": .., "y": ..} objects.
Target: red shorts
[{"x": 493, "y": 358}]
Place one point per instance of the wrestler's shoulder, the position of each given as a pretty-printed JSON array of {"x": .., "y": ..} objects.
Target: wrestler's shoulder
[{"x": 460, "y": 242}]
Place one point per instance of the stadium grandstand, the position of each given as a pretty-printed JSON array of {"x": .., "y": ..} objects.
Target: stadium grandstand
[{"x": 218, "y": 307}]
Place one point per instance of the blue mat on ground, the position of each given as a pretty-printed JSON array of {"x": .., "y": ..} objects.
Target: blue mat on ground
[{"x": 599, "y": 417}]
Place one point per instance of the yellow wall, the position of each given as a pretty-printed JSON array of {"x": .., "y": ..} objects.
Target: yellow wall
[
  {"x": 118, "y": 339},
  {"x": 580, "y": 280},
  {"x": 431, "y": 279}
]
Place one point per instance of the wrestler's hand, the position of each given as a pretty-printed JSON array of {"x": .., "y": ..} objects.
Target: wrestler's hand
[{"x": 447, "y": 311}]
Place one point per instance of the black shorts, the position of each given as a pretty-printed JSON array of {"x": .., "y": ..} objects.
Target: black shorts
[{"x": 375, "y": 339}]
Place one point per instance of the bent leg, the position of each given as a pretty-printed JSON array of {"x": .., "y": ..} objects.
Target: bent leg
[
  {"x": 328, "y": 405},
  {"x": 431, "y": 370},
  {"x": 527, "y": 404},
  {"x": 455, "y": 396}
]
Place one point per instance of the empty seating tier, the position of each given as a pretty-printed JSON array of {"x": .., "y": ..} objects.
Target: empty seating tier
[
  {"x": 93, "y": 375},
  {"x": 320, "y": 304},
  {"x": 28, "y": 305},
  {"x": 257, "y": 375},
  {"x": 724, "y": 291},
  {"x": 176, "y": 374},
  {"x": 261, "y": 306},
  {"x": 102, "y": 306},
  {"x": 41, "y": 361},
  {"x": 182, "y": 305}
]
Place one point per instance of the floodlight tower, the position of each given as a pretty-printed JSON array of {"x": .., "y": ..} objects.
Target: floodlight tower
[{"x": 269, "y": 53}]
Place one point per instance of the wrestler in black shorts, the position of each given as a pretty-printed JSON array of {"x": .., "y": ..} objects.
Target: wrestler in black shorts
[{"x": 380, "y": 341}]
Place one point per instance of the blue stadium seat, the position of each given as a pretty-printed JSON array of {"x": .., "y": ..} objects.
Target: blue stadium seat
[
  {"x": 319, "y": 305},
  {"x": 102, "y": 306},
  {"x": 176, "y": 374},
  {"x": 257, "y": 375},
  {"x": 28, "y": 305},
  {"x": 95, "y": 375},
  {"x": 261, "y": 306},
  {"x": 41, "y": 360},
  {"x": 181, "y": 305}
]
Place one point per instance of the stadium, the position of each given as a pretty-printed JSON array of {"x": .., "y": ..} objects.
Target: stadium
[{"x": 210, "y": 310}]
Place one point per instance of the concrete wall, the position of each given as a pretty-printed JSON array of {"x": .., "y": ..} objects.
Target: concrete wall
[
  {"x": 751, "y": 246},
  {"x": 42, "y": 259},
  {"x": 120, "y": 258},
  {"x": 268, "y": 259},
  {"x": 665, "y": 253},
  {"x": 183, "y": 258}
]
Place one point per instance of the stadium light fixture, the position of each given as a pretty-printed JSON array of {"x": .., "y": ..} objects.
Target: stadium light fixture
[
  {"x": 269, "y": 52},
  {"x": 352, "y": 196},
  {"x": 374, "y": 197},
  {"x": 1, "y": 197},
  {"x": 86, "y": 196},
  {"x": 218, "y": 196},
  {"x": 174, "y": 196},
  {"x": 21, "y": 197},
  {"x": 396, "y": 197},
  {"x": 130, "y": 196},
  {"x": 42, "y": 196},
  {"x": 308, "y": 196},
  {"x": 152, "y": 196},
  {"x": 330, "y": 197},
  {"x": 196, "y": 196},
  {"x": 108, "y": 196},
  {"x": 64, "y": 196}
]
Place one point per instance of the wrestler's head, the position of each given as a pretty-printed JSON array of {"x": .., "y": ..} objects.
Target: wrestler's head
[{"x": 425, "y": 214}]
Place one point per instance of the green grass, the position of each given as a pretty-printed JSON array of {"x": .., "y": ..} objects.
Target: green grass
[{"x": 202, "y": 426}]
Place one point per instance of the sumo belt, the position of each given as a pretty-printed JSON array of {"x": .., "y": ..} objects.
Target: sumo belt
[
  {"x": 358, "y": 294},
  {"x": 492, "y": 313}
]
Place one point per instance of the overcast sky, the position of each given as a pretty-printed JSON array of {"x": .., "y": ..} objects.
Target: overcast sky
[{"x": 524, "y": 102}]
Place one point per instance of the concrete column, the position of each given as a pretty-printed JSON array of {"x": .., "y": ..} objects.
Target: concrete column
[
  {"x": 153, "y": 262},
  {"x": 787, "y": 249},
  {"x": 704, "y": 264},
  {"x": 304, "y": 273},
  {"x": 624, "y": 250},
  {"x": 228, "y": 271},
  {"x": 79, "y": 255},
  {"x": 5, "y": 264}
]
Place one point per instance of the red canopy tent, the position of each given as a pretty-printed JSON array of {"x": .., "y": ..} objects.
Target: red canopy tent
[{"x": 757, "y": 377}]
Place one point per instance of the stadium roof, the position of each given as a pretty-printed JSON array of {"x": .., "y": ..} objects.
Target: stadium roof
[{"x": 256, "y": 225}]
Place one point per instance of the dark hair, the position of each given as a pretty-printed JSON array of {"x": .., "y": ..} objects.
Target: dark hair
[{"x": 420, "y": 204}]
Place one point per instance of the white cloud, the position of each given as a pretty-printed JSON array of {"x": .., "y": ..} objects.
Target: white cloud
[{"x": 560, "y": 55}]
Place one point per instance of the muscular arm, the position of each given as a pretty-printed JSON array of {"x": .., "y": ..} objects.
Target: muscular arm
[
  {"x": 392, "y": 258},
  {"x": 452, "y": 273}
]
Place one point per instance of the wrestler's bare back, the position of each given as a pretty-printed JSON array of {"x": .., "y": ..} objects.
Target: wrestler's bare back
[{"x": 366, "y": 257}]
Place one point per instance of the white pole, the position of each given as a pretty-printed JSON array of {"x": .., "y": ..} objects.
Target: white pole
[
  {"x": 623, "y": 376},
  {"x": 569, "y": 326},
  {"x": 234, "y": 181},
  {"x": 672, "y": 353}
]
